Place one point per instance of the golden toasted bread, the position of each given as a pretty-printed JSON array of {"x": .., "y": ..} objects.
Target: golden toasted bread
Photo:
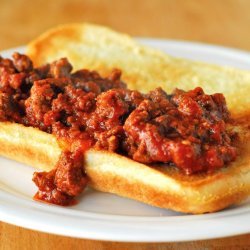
[
  {"x": 102, "y": 49},
  {"x": 164, "y": 187}
]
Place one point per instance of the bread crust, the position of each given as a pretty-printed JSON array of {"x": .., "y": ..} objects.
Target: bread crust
[
  {"x": 160, "y": 186},
  {"x": 28, "y": 145}
]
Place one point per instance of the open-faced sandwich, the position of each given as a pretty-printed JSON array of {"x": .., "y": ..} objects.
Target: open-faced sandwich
[{"x": 128, "y": 120}]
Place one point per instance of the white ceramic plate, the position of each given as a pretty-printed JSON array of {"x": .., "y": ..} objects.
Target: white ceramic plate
[{"x": 108, "y": 217}]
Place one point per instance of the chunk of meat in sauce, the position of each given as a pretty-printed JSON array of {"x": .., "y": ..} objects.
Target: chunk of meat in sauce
[
  {"x": 39, "y": 103},
  {"x": 8, "y": 108},
  {"x": 106, "y": 122},
  {"x": 60, "y": 68},
  {"x": 69, "y": 113},
  {"x": 64, "y": 182},
  {"x": 7, "y": 65},
  {"x": 22, "y": 63},
  {"x": 187, "y": 129},
  {"x": 91, "y": 81}
]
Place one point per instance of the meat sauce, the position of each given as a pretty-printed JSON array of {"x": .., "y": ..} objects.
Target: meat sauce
[{"x": 186, "y": 129}]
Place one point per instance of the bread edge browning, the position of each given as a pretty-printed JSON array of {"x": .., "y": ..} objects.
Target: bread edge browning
[{"x": 162, "y": 187}]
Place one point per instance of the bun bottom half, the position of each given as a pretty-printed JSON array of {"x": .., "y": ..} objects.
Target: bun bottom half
[{"x": 158, "y": 185}]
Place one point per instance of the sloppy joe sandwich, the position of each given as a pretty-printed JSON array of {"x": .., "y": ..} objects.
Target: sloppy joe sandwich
[{"x": 182, "y": 149}]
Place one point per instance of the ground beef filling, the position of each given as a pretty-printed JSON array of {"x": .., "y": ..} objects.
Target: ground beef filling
[{"x": 184, "y": 129}]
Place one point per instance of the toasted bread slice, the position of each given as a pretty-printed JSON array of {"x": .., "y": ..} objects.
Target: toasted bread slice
[
  {"x": 102, "y": 49},
  {"x": 98, "y": 48},
  {"x": 161, "y": 186}
]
